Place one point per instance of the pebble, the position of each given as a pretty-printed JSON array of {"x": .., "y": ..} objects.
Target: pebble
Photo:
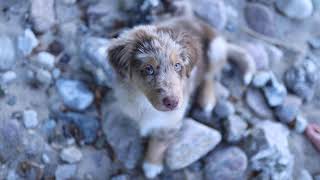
[
  {"x": 295, "y": 9},
  {"x": 275, "y": 54},
  {"x": 45, "y": 158},
  {"x": 288, "y": 111},
  {"x": 8, "y": 77},
  {"x": 235, "y": 128},
  {"x": 56, "y": 73},
  {"x": 121, "y": 177},
  {"x": 34, "y": 143},
  {"x": 43, "y": 76},
  {"x": 194, "y": 141},
  {"x": 227, "y": 163},
  {"x": 30, "y": 118},
  {"x": 259, "y": 54},
  {"x": 223, "y": 109},
  {"x": 75, "y": 94},
  {"x": 213, "y": 12},
  {"x": 12, "y": 100},
  {"x": 27, "y": 42},
  {"x": 95, "y": 163},
  {"x": 301, "y": 124},
  {"x": 42, "y": 14},
  {"x": 71, "y": 155},
  {"x": 46, "y": 60},
  {"x": 260, "y": 19},
  {"x": 261, "y": 78},
  {"x": 124, "y": 138},
  {"x": 65, "y": 172},
  {"x": 275, "y": 92},
  {"x": 7, "y": 53}
]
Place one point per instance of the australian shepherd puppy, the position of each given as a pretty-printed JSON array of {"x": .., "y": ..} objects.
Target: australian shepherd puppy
[{"x": 159, "y": 67}]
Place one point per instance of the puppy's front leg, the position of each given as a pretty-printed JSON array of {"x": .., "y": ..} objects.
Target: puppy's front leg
[
  {"x": 157, "y": 146},
  {"x": 206, "y": 98}
]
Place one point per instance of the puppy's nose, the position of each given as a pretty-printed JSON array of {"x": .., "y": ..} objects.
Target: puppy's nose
[{"x": 170, "y": 102}]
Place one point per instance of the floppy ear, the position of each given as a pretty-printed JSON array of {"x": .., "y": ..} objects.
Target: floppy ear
[{"x": 118, "y": 55}]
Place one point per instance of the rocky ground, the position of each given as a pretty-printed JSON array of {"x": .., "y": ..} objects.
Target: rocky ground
[{"x": 55, "y": 87}]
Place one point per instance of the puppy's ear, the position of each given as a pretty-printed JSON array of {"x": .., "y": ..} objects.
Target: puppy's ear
[{"x": 118, "y": 55}]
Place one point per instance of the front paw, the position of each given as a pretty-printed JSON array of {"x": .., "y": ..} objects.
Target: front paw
[{"x": 152, "y": 170}]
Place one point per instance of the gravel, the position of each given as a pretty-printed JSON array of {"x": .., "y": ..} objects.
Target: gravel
[
  {"x": 71, "y": 154},
  {"x": 30, "y": 118}
]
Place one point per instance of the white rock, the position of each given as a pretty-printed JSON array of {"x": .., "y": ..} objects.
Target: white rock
[
  {"x": 27, "y": 42},
  {"x": 30, "y": 118},
  {"x": 305, "y": 175},
  {"x": 8, "y": 77},
  {"x": 42, "y": 14},
  {"x": 64, "y": 172},
  {"x": 296, "y": 9},
  {"x": 261, "y": 78},
  {"x": 56, "y": 73},
  {"x": 236, "y": 128},
  {"x": 71, "y": 154},
  {"x": 45, "y": 158},
  {"x": 43, "y": 76},
  {"x": 195, "y": 140},
  {"x": 301, "y": 124},
  {"x": 46, "y": 60}
]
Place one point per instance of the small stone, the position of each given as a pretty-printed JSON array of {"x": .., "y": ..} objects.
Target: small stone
[
  {"x": 275, "y": 54},
  {"x": 301, "y": 124},
  {"x": 34, "y": 143},
  {"x": 288, "y": 111},
  {"x": 261, "y": 78},
  {"x": 275, "y": 92},
  {"x": 259, "y": 54},
  {"x": 227, "y": 163},
  {"x": 121, "y": 177},
  {"x": 296, "y": 9},
  {"x": 75, "y": 94},
  {"x": 124, "y": 138},
  {"x": 71, "y": 155},
  {"x": 260, "y": 19},
  {"x": 223, "y": 109},
  {"x": 64, "y": 172},
  {"x": 8, "y": 77},
  {"x": 45, "y": 158},
  {"x": 43, "y": 76},
  {"x": 56, "y": 47},
  {"x": 48, "y": 127},
  {"x": 235, "y": 128},
  {"x": 46, "y": 60},
  {"x": 96, "y": 164},
  {"x": 314, "y": 42},
  {"x": 305, "y": 175},
  {"x": 56, "y": 73},
  {"x": 213, "y": 12},
  {"x": 7, "y": 53},
  {"x": 27, "y": 42},
  {"x": 194, "y": 141},
  {"x": 42, "y": 14},
  {"x": 30, "y": 118}
]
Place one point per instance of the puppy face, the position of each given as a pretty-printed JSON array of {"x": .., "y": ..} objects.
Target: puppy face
[{"x": 157, "y": 61}]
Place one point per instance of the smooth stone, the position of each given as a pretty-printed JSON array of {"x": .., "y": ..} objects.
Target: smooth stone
[
  {"x": 46, "y": 60},
  {"x": 227, "y": 163},
  {"x": 65, "y": 172},
  {"x": 193, "y": 142},
  {"x": 296, "y": 9},
  {"x": 275, "y": 92},
  {"x": 7, "y": 53},
  {"x": 259, "y": 54},
  {"x": 121, "y": 177},
  {"x": 275, "y": 54},
  {"x": 301, "y": 124},
  {"x": 261, "y": 78},
  {"x": 257, "y": 103},
  {"x": 27, "y": 42},
  {"x": 260, "y": 19},
  {"x": 8, "y": 77},
  {"x": 30, "y": 118},
  {"x": 43, "y": 76},
  {"x": 235, "y": 128},
  {"x": 288, "y": 111},
  {"x": 223, "y": 109},
  {"x": 71, "y": 154},
  {"x": 75, "y": 94},
  {"x": 42, "y": 14}
]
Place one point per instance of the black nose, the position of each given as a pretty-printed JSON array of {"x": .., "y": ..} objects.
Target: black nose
[{"x": 170, "y": 102}]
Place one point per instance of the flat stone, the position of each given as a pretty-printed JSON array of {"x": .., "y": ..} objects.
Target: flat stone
[
  {"x": 75, "y": 94},
  {"x": 7, "y": 53},
  {"x": 235, "y": 128},
  {"x": 288, "y": 111},
  {"x": 42, "y": 14},
  {"x": 64, "y": 172},
  {"x": 296, "y": 9},
  {"x": 227, "y": 163},
  {"x": 258, "y": 104},
  {"x": 194, "y": 141},
  {"x": 46, "y": 60},
  {"x": 71, "y": 154},
  {"x": 27, "y": 42},
  {"x": 30, "y": 118},
  {"x": 260, "y": 19}
]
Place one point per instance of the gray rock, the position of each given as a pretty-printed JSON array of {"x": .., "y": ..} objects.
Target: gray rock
[
  {"x": 261, "y": 78},
  {"x": 288, "y": 111},
  {"x": 124, "y": 138},
  {"x": 45, "y": 158},
  {"x": 227, "y": 163},
  {"x": 235, "y": 128},
  {"x": 27, "y": 42},
  {"x": 268, "y": 149},
  {"x": 305, "y": 175},
  {"x": 223, "y": 108},
  {"x": 43, "y": 76},
  {"x": 95, "y": 164},
  {"x": 259, "y": 54},
  {"x": 213, "y": 12},
  {"x": 30, "y": 118},
  {"x": 46, "y": 60},
  {"x": 260, "y": 19},
  {"x": 296, "y": 9},
  {"x": 301, "y": 79},
  {"x": 75, "y": 94},
  {"x": 8, "y": 77},
  {"x": 275, "y": 92},
  {"x": 42, "y": 14},
  {"x": 301, "y": 124},
  {"x": 194, "y": 141},
  {"x": 7, "y": 53},
  {"x": 257, "y": 103},
  {"x": 11, "y": 144},
  {"x": 315, "y": 42},
  {"x": 71, "y": 154},
  {"x": 93, "y": 51},
  {"x": 64, "y": 172}
]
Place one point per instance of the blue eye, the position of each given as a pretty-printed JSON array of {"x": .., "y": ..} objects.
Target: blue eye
[
  {"x": 148, "y": 70},
  {"x": 178, "y": 67}
]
